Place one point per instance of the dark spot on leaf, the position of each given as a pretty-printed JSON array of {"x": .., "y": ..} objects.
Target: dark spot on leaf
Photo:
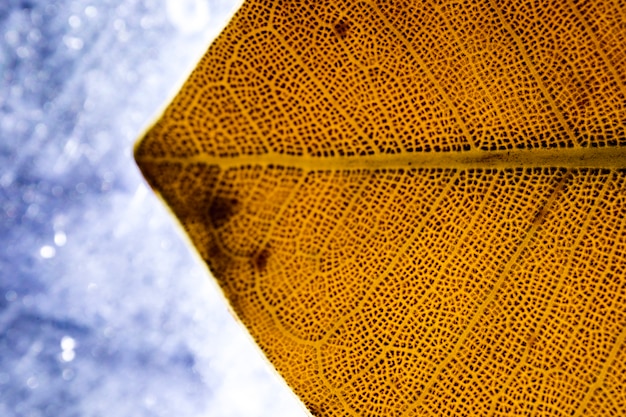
[
  {"x": 314, "y": 409},
  {"x": 261, "y": 258},
  {"x": 218, "y": 260},
  {"x": 214, "y": 251},
  {"x": 222, "y": 209},
  {"x": 489, "y": 158},
  {"x": 341, "y": 28},
  {"x": 540, "y": 217}
]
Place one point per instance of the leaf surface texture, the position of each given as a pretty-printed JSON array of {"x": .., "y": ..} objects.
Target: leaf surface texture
[{"x": 416, "y": 208}]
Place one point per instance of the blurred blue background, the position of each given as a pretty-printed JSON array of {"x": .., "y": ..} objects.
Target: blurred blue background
[{"x": 104, "y": 310}]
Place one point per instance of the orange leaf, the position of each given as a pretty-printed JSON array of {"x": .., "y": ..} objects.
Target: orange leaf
[{"x": 415, "y": 208}]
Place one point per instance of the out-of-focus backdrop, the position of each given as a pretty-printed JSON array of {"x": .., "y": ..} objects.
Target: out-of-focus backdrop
[{"x": 104, "y": 310}]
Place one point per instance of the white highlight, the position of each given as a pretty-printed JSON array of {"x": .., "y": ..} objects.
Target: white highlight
[
  {"x": 67, "y": 345},
  {"x": 189, "y": 16},
  {"x": 47, "y": 252},
  {"x": 60, "y": 239},
  {"x": 74, "y": 21}
]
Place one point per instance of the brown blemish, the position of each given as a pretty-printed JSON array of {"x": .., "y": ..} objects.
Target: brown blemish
[
  {"x": 261, "y": 258},
  {"x": 341, "y": 28},
  {"x": 214, "y": 251},
  {"x": 222, "y": 209},
  {"x": 540, "y": 217},
  {"x": 218, "y": 260},
  {"x": 314, "y": 409}
]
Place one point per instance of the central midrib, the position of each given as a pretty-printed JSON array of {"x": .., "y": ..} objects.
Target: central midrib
[{"x": 580, "y": 157}]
